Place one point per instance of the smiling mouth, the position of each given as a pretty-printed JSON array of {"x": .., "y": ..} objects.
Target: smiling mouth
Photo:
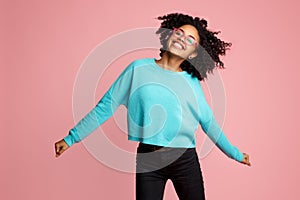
[{"x": 178, "y": 45}]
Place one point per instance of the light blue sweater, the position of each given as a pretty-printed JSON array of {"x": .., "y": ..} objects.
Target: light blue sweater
[{"x": 163, "y": 108}]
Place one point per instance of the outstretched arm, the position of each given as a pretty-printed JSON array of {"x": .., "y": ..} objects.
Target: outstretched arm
[
  {"x": 105, "y": 108},
  {"x": 214, "y": 132}
]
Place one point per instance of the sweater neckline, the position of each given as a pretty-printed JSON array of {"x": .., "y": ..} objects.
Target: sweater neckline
[{"x": 156, "y": 66}]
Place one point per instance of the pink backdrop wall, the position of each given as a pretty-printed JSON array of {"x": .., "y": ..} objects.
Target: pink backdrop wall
[{"x": 43, "y": 44}]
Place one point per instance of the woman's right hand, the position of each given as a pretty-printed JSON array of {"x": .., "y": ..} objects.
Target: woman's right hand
[{"x": 60, "y": 147}]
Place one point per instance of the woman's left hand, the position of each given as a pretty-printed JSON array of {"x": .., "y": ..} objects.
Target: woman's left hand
[{"x": 246, "y": 159}]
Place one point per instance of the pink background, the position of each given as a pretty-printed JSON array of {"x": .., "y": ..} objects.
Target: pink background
[{"x": 43, "y": 45}]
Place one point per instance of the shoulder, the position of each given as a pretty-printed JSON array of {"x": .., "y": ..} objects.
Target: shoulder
[
  {"x": 142, "y": 61},
  {"x": 133, "y": 65}
]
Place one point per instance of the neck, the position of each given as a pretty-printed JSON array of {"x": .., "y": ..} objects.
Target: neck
[{"x": 170, "y": 62}]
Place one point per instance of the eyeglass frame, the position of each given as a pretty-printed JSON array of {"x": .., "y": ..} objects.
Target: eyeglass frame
[{"x": 195, "y": 44}]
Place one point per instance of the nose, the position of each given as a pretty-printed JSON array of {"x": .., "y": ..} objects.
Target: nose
[{"x": 181, "y": 38}]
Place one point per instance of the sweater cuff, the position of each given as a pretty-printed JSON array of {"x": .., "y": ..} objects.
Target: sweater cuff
[
  {"x": 71, "y": 138},
  {"x": 240, "y": 156}
]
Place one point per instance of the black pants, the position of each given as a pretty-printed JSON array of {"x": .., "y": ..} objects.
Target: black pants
[{"x": 155, "y": 166}]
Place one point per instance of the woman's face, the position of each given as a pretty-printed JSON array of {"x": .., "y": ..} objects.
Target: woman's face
[{"x": 183, "y": 42}]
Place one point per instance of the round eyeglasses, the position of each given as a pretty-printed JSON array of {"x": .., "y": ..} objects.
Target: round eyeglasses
[{"x": 188, "y": 39}]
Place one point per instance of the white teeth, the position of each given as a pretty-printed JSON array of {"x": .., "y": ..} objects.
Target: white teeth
[{"x": 178, "y": 45}]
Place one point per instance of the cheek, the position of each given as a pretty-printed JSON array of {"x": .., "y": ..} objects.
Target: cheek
[
  {"x": 169, "y": 43},
  {"x": 189, "y": 51}
]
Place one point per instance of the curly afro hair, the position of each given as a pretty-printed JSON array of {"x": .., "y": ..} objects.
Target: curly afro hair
[{"x": 209, "y": 50}]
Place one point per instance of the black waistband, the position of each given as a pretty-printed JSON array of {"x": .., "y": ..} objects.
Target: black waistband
[{"x": 151, "y": 147}]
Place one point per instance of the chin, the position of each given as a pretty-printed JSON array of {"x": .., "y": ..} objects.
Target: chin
[{"x": 176, "y": 53}]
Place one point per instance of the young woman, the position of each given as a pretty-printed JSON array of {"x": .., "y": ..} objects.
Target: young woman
[{"x": 165, "y": 104}]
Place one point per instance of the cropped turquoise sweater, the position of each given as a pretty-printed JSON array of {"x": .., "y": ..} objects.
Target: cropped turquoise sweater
[{"x": 163, "y": 108}]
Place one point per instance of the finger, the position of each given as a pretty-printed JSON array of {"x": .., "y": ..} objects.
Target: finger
[
  {"x": 62, "y": 149},
  {"x": 57, "y": 154},
  {"x": 58, "y": 150},
  {"x": 248, "y": 163},
  {"x": 57, "y": 147}
]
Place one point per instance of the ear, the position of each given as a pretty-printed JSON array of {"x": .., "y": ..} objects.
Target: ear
[{"x": 193, "y": 55}]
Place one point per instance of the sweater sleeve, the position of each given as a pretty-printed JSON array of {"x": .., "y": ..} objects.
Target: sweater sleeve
[
  {"x": 116, "y": 95},
  {"x": 212, "y": 129}
]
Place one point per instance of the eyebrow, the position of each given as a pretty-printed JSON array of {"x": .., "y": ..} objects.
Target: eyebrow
[{"x": 188, "y": 35}]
